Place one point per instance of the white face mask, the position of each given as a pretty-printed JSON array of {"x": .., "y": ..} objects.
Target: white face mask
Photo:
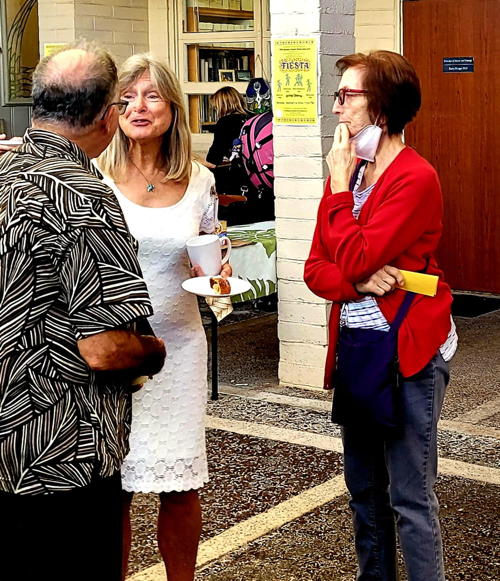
[{"x": 366, "y": 142}]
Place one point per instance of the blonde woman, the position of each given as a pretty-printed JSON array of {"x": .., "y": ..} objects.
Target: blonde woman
[
  {"x": 230, "y": 109},
  {"x": 166, "y": 198}
]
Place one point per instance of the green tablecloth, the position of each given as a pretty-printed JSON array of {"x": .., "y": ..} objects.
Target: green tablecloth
[{"x": 255, "y": 262}]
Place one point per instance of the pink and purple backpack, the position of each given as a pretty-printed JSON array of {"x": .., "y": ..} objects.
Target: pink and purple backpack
[{"x": 257, "y": 152}]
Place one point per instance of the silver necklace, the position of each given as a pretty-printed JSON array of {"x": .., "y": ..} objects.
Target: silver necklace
[{"x": 149, "y": 184}]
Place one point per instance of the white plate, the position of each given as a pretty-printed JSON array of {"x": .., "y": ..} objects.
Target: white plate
[{"x": 200, "y": 285}]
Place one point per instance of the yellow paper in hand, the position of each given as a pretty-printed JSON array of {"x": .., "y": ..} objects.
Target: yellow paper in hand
[{"x": 418, "y": 282}]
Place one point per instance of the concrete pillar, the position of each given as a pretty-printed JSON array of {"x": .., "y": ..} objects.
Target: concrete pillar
[
  {"x": 115, "y": 24},
  {"x": 300, "y": 172}
]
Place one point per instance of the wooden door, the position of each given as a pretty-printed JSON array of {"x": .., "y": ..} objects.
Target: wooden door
[{"x": 458, "y": 128}]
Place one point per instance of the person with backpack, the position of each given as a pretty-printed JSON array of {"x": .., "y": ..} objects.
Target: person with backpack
[
  {"x": 231, "y": 112},
  {"x": 231, "y": 181}
]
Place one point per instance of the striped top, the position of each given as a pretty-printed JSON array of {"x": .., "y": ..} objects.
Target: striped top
[
  {"x": 68, "y": 270},
  {"x": 365, "y": 313}
]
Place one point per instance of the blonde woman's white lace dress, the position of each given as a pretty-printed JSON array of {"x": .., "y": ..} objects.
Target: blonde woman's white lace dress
[{"x": 167, "y": 441}]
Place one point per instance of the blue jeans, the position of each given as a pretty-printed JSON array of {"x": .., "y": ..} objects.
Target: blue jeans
[{"x": 391, "y": 483}]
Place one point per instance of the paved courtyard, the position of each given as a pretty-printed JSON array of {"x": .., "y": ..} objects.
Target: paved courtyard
[{"x": 276, "y": 506}]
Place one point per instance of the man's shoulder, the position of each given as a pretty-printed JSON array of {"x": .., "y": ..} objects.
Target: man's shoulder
[{"x": 55, "y": 190}]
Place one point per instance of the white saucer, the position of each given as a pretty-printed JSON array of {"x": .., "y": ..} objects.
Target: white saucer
[{"x": 200, "y": 286}]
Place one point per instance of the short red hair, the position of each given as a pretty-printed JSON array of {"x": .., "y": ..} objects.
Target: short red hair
[{"x": 392, "y": 85}]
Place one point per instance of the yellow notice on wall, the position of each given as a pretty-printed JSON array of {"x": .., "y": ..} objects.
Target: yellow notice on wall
[
  {"x": 295, "y": 81},
  {"x": 52, "y": 47}
]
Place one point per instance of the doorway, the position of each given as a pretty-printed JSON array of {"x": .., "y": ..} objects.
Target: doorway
[{"x": 455, "y": 49}]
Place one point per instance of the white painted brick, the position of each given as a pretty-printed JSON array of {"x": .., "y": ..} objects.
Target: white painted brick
[
  {"x": 104, "y": 37},
  {"x": 290, "y": 269},
  {"x": 140, "y": 26},
  {"x": 280, "y": 131},
  {"x": 336, "y": 45},
  {"x": 121, "y": 51},
  {"x": 368, "y": 17},
  {"x": 130, "y": 37},
  {"x": 302, "y": 354},
  {"x": 295, "y": 229},
  {"x": 292, "y": 312},
  {"x": 301, "y": 209},
  {"x": 376, "y": 31},
  {"x": 298, "y": 167},
  {"x": 130, "y": 13},
  {"x": 300, "y": 375},
  {"x": 303, "y": 333},
  {"x": 297, "y": 291},
  {"x": 295, "y": 24},
  {"x": 113, "y": 24},
  {"x": 66, "y": 10},
  {"x": 62, "y": 36},
  {"x": 368, "y": 44},
  {"x": 60, "y": 22},
  {"x": 374, "y": 5},
  {"x": 294, "y": 249},
  {"x": 339, "y": 6},
  {"x": 288, "y": 6},
  {"x": 84, "y": 9},
  {"x": 298, "y": 146},
  {"x": 299, "y": 188},
  {"x": 337, "y": 23},
  {"x": 85, "y": 23}
]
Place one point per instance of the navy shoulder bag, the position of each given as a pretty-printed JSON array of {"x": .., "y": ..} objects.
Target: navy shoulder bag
[{"x": 367, "y": 378}]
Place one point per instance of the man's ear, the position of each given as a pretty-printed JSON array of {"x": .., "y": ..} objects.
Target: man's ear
[{"x": 108, "y": 120}]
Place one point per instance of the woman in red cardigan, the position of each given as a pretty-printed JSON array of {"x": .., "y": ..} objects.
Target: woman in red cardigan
[{"x": 381, "y": 212}]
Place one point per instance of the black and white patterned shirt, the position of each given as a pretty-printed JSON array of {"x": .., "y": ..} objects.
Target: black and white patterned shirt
[{"x": 68, "y": 270}]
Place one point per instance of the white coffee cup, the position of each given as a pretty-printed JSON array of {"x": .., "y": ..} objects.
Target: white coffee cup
[{"x": 206, "y": 252}]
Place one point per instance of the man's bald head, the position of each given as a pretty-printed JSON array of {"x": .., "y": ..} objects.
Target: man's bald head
[{"x": 72, "y": 87}]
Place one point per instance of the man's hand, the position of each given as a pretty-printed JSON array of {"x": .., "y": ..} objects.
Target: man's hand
[
  {"x": 381, "y": 282},
  {"x": 123, "y": 351}
]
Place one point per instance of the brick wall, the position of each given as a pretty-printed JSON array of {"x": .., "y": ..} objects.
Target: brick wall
[
  {"x": 377, "y": 25},
  {"x": 119, "y": 25},
  {"x": 299, "y": 178}
]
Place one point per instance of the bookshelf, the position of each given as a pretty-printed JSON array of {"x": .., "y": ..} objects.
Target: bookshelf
[
  {"x": 212, "y": 59},
  {"x": 222, "y": 15},
  {"x": 204, "y": 62},
  {"x": 220, "y": 35}
]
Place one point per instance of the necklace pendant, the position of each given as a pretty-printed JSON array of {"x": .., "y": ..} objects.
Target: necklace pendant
[{"x": 150, "y": 187}]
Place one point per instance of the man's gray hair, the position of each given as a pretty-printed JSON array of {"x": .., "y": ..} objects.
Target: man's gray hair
[{"x": 70, "y": 100}]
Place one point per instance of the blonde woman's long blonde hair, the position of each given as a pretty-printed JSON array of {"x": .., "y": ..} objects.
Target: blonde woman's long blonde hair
[
  {"x": 176, "y": 146},
  {"x": 227, "y": 100}
]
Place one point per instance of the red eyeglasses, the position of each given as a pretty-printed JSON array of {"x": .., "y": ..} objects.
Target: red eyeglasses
[{"x": 342, "y": 93}]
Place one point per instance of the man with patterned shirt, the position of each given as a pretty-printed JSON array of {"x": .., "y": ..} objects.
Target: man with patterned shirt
[{"x": 71, "y": 292}]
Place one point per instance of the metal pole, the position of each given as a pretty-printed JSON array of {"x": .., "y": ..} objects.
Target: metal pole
[{"x": 214, "y": 327}]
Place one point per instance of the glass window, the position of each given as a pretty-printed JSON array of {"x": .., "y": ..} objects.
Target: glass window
[
  {"x": 218, "y": 15},
  {"x": 20, "y": 52},
  {"x": 221, "y": 41},
  {"x": 220, "y": 61}
]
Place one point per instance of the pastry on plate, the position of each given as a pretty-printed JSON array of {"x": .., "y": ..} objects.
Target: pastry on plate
[{"x": 220, "y": 285}]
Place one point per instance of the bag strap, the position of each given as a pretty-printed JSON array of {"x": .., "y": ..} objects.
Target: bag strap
[
  {"x": 406, "y": 304},
  {"x": 355, "y": 174},
  {"x": 403, "y": 309}
]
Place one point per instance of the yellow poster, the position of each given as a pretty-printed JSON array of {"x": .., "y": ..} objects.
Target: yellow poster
[
  {"x": 295, "y": 81},
  {"x": 52, "y": 47}
]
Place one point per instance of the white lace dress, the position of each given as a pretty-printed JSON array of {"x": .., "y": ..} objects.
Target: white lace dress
[{"x": 167, "y": 442}]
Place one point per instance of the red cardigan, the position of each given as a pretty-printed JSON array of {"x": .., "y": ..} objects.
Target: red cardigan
[{"x": 400, "y": 224}]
